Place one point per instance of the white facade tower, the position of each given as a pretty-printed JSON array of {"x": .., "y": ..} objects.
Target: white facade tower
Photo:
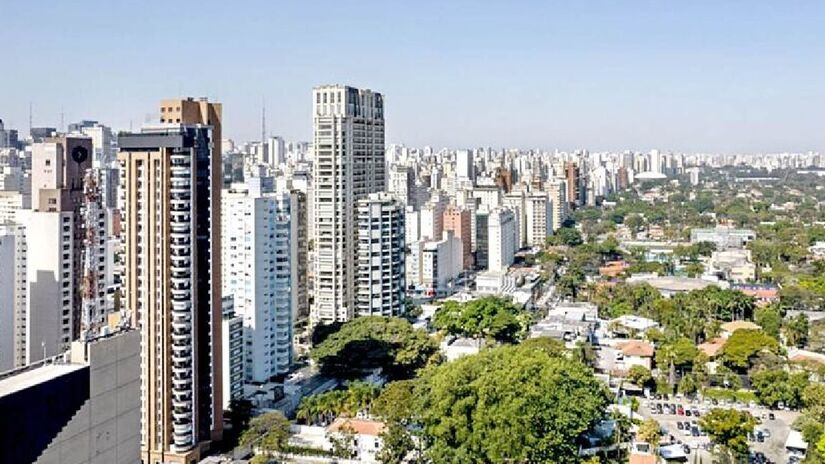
[{"x": 348, "y": 139}]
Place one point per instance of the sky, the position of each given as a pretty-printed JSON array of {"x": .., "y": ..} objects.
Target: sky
[{"x": 693, "y": 76}]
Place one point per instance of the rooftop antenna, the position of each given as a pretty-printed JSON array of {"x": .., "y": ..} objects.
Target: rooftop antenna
[
  {"x": 263, "y": 120},
  {"x": 62, "y": 123},
  {"x": 30, "y": 117}
]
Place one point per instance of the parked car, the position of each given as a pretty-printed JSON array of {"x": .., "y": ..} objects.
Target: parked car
[
  {"x": 771, "y": 416},
  {"x": 680, "y": 426}
]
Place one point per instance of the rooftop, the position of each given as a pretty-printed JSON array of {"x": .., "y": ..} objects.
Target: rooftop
[
  {"x": 358, "y": 426},
  {"x": 733, "y": 326},
  {"x": 712, "y": 347},
  {"x": 636, "y": 348},
  {"x": 32, "y": 377}
]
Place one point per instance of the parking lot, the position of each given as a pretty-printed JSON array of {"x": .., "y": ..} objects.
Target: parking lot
[{"x": 774, "y": 431}]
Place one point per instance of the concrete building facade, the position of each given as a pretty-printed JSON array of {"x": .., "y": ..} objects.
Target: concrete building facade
[
  {"x": 260, "y": 270},
  {"x": 381, "y": 261},
  {"x": 348, "y": 138},
  {"x": 171, "y": 178}
]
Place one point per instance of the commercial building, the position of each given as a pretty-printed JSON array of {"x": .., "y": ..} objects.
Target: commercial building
[
  {"x": 82, "y": 407},
  {"x": 171, "y": 178},
  {"x": 464, "y": 165},
  {"x": 12, "y": 296},
  {"x": 482, "y": 230},
  {"x": 348, "y": 138},
  {"x": 572, "y": 174},
  {"x": 441, "y": 264},
  {"x": 517, "y": 203},
  {"x": 501, "y": 226},
  {"x": 381, "y": 263},
  {"x": 557, "y": 191},
  {"x": 260, "y": 254},
  {"x": 402, "y": 184},
  {"x": 723, "y": 237},
  {"x": 458, "y": 221},
  {"x": 539, "y": 213},
  {"x": 54, "y": 300},
  {"x": 233, "y": 352}
]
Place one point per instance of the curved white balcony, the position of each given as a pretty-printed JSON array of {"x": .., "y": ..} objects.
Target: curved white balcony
[
  {"x": 184, "y": 358},
  {"x": 182, "y": 384},
  {"x": 181, "y": 406},
  {"x": 182, "y": 429}
]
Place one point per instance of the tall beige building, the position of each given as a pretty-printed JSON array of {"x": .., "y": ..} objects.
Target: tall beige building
[
  {"x": 171, "y": 179},
  {"x": 348, "y": 138},
  {"x": 557, "y": 190},
  {"x": 54, "y": 233}
]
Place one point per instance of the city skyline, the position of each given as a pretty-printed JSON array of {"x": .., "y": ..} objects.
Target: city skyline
[{"x": 738, "y": 77}]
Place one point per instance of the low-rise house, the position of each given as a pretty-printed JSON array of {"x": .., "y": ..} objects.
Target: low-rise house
[
  {"x": 723, "y": 237},
  {"x": 817, "y": 250},
  {"x": 671, "y": 285},
  {"x": 613, "y": 268},
  {"x": 795, "y": 355},
  {"x": 712, "y": 348},
  {"x": 454, "y": 348},
  {"x": 733, "y": 265},
  {"x": 362, "y": 436},
  {"x": 642, "y": 458},
  {"x": 630, "y": 326},
  {"x": 635, "y": 353},
  {"x": 728, "y": 328},
  {"x": 761, "y": 293},
  {"x": 365, "y": 435}
]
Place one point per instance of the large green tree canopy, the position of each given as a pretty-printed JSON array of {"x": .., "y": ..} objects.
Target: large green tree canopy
[
  {"x": 490, "y": 316},
  {"x": 389, "y": 343},
  {"x": 508, "y": 404},
  {"x": 744, "y": 344}
]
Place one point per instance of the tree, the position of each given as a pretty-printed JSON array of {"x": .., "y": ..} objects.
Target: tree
[
  {"x": 488, "y": 317},
  {"x": 634, "y": 222},
  {"x": 324, "y": 407},
  {"x": 239, "y": 415},
  {"x": 694, "y": 269},
  {"x": 269, "y": 432},
  {"x": 650, "y": 432},
  {"x": 388, "y": 343},
  {"x": 640, "y": 375},
  {"x": 397, "y": 443},
  {"x": 795, "y": 330},
  {"x": 569, "y": 283},
  {"x": 688, "y": 384},
  {"x": 770, "y": 319},
  {"x": 395, "y": 403},
  {"x": 342, "y": 443},
  {"x": 743, "y": 345},
  {"x": 777, "y": 386},
  {"x": 549, "y": 345},
  {"x": 729, "y": 428},
  {"x": 566, "y": 236},
  {"x": 508, "y": 404},
  {"x": 812, "y": 421}
]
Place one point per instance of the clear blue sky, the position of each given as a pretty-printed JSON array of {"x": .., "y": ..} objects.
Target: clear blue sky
[{"x": 682, "y": 75}]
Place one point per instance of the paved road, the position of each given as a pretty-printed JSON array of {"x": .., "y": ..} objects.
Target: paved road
[{"x": 773, "y": 446}]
